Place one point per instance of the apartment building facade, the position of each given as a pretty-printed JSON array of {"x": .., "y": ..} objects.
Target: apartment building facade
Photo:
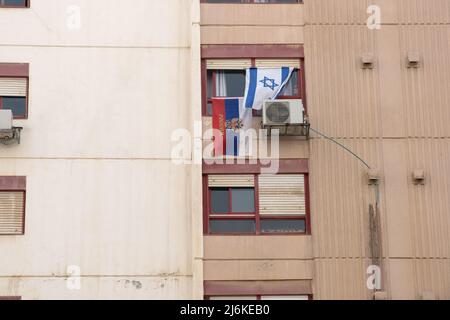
[
  {"x": 107, "y": 212},
  {"x": 97, "y": 206}
]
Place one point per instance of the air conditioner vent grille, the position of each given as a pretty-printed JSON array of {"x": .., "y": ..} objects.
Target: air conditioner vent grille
[{"x": 278, "y": 112}]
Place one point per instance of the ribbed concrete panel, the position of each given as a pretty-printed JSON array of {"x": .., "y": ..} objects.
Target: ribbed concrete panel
[
  {"x": 392, "y": 11},
  {"x": 423, "y": 12},
  {"x": 432, "y": 275},
  {"x": 337, "y": 279},
  {"x": 336, "y": 11},
  {"x": 343, "y": 98},
  {"x": 340, "y": 197},
  {"x": 430, "y": 203},
  {"x": 425, "y": 89},
  {"x": 411, "y": 278}
]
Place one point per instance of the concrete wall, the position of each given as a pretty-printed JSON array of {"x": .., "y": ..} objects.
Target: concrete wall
[
  {"x": 243, "y": 258},
  {"x": 252, "y": 24},
  {"x": 102, "y": 191},
  {"x": 394, "y": 117}
]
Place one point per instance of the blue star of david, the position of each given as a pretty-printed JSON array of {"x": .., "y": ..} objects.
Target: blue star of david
[{"x": 269, "y": 83}]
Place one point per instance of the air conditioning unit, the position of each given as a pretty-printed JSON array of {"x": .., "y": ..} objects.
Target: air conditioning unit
[
  {"x": 8, "y": 133},
  {"x": 283, "y": 112},
  {"x": 6, "y": 120}
]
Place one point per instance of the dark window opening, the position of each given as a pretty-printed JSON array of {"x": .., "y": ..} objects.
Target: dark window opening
[
  {"x": 14, "y": 3},
  {"x": 18, "y": 106}
]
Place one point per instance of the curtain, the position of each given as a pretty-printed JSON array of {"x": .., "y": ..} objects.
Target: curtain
[{"x": 221, "y": 84}]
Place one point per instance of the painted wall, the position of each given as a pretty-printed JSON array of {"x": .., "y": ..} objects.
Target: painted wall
[{"x": 102, "y": 191}]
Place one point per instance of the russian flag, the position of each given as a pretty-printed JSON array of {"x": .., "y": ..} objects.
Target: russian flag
[{"x": 230, "y": 117}]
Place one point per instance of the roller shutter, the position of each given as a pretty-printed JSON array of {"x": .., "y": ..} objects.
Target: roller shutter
[
  {"x": 228, "y": 64},
  {"x": 277, "y": 63},
  {"x": 219, "y": 181},
  {"x": 282, "y": 195},
  {"x": 11, "y": 212},
  {"x": 13, "y": 87}
]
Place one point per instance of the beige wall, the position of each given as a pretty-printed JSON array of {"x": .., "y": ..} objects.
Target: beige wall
[
  {"x": 102, "y": 191},
  {"x": 394, "y": 117},
  {"x": 257, "y": 258},
  {"x": 252, "y": 24}
]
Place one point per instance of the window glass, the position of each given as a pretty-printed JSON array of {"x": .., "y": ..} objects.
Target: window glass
[
  {"x": 283, "y": 226},
  {"x": 226, "y": 83},
  {"x": 220, "y": 200},
  {"x": 291, "y": 88},
  {"x": 232, "y": 226},
  {"x": 243, "y": 200},
  {"x": 230, "y": 83},
  {"x": 16, "y": 104}
]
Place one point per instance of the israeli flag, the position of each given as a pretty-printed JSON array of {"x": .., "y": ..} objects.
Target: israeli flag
[{"x": 263, "y": 84}]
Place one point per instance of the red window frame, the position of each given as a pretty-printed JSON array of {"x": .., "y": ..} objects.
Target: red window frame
[
  {"x": 298, "y": 168},
  {"x": 252, "y": 52},
  {"x": 17, "y": 70},
  {"x": 15, "y": 184},
  {"x": 27, "y": 5},
  {"x": 230, "y": 203},
  {"x": 280, "y": 97}
]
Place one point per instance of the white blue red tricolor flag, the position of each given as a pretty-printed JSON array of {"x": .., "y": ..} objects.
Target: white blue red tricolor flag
[
  {"x": 231, "y": 118},
  {"x": 263, "y": 84}
]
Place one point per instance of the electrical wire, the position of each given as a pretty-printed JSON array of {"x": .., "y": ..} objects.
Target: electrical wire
[
  {"x": 341, "y": 145},
  {"x": 377, "y": 189}
]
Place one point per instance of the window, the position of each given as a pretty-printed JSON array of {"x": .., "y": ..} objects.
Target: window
[
  {"x": 14, "y": 89},
  {"x": 256, "y": 204},
  {"x": 14, "y": 3},
  {"x": 226, "y": 78},
  {"x": 12, "y": 205}
]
